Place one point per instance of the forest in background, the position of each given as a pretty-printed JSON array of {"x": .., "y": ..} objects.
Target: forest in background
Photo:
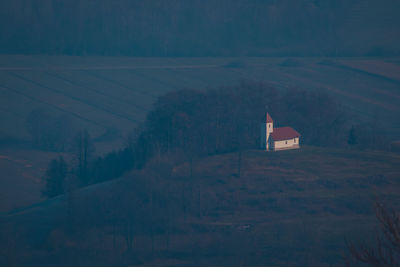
[
  {"x": 193, "y": 189},
  {"x": 189, "y": 124},
  {"x": 200, "y": 27}
]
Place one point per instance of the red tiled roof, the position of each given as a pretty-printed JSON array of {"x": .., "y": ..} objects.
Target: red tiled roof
[
  {"x": 269, "y": 119},
  {"x": 284, "y": 133}
]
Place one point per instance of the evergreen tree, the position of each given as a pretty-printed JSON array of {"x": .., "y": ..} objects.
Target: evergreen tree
[
  {"x": 352, "y": 139},
  {"x": 55, "y": 177}
]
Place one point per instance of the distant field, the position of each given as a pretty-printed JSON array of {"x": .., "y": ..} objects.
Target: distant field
[
  {"x": 105, "y": 92},
  {"x": 102, "y": 93},
  {"x": 384, "y": 69},
  {"x": 293, "y": 208}
]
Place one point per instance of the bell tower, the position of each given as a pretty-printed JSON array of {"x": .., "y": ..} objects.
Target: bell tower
[
  {"x": 267, "y": 127},
  {"x": 270, "y": 128}
]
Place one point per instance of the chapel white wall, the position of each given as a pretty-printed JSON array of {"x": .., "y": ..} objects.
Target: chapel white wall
[
  {"x": 286, "y": 143},
  {"x": 263, "y": 139}
]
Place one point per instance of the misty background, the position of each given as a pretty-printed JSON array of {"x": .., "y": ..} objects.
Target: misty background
[
  {"x": 201, "y": 27},
  {"x": 129, "y": 131}
]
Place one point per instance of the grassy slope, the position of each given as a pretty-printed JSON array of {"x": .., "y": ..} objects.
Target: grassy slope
[
  {"x": 22, "y": 179},
  {"x": 300, "y": 206},
  {"x": 117, "y": 92},
  {"x": 303, "y": 204}
]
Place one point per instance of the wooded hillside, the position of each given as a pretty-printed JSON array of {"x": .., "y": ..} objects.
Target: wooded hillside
[{"x": 200, "y": 27}]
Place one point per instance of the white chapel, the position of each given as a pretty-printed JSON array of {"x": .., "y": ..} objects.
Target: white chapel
[{"x": 278, "y": 138}]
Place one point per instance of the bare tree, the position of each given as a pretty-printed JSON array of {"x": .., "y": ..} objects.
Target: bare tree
[
  {"x": 84, "y": 149},
  {"x": 386, "y": 251}
]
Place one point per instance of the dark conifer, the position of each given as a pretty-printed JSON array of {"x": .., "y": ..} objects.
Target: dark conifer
[{"x": 55, "y": 178}]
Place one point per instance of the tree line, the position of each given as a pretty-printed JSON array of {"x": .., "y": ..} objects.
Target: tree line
[
  {"x": 84, "y": 168},
  {"x": 183, "y": 28},
  {"x": 228, "y": 119},
  {"x": 152, "y": 202},
  {"x": 192, "y": 123}
]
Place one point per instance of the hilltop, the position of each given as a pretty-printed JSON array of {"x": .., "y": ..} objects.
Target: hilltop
[
  {"x": 290, "y": 207},
  {"x": 111, "y": 96}
]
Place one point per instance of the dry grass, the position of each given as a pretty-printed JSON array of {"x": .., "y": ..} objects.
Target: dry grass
[{"x": 22, "y": 173}]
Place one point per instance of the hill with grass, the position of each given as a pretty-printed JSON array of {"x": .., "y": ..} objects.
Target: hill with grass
[
  {"x": 285, "y": 208},
  {"x": 111, "y": 96}
]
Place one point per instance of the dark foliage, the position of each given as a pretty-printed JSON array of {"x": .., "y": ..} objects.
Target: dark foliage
[
  {"x": 135, "y": 205},
  {"x": 199, "y": 123},
  {"x": 55, "y": 178},
  {"x": 194, "y": 27},
  {"x": 83, "y": 149},
  {"x": 228, "y": 119},
  {"x": 112, "y": 165},
  {"x": 368, "y": 136},
  {"x": 87, "y": 170},
  {"x": 352, "y": 140}
]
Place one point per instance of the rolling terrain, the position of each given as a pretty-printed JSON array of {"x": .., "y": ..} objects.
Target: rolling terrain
[
  {"x": 292, "y": 208},
  {"x": 114, "y": 94}
]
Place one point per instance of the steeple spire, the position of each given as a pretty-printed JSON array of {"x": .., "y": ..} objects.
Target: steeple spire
[{"x": 268, "y": 118}]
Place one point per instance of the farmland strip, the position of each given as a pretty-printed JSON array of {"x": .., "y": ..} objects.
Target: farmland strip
[
  {"x": 97, "y": 91},
  {"x": 109, "y": 68},
  {"x": 121, "y": 116},
  {"x": 51, "y": 104},
  {"x": 375, "y": 75},
  {"x": 350, "y": 95},
  {"x": 151, "y": 78},
  {"x": 119, "y": 84}
]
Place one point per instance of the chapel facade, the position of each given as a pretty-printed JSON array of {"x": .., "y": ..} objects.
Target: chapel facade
[{"x": 281, "y": 138}]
